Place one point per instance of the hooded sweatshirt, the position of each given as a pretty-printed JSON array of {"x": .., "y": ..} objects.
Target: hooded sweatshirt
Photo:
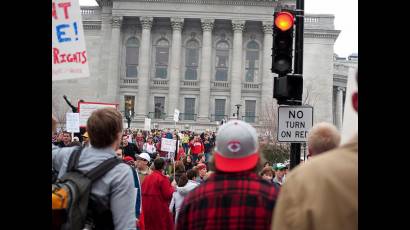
[{"x": 179, "y": 195}]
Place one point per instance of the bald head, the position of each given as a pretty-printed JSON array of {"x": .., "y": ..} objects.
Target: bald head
[{"x": 323, "y": 137}]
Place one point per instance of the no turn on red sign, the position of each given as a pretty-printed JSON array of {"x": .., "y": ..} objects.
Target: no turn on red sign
[{"x": 294, "y": 123}]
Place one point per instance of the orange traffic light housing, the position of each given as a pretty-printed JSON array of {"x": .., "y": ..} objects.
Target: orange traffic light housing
[{"x": 282, "y": 50}]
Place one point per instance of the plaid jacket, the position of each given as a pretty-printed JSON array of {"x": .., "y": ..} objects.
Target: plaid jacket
[{"x": 229, "y": 201}]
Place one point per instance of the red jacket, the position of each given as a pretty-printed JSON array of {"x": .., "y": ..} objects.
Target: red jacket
[
  {"x": 156, "y": 195},
  {"x": 181, "y": 153},
  {"x": 196, "y": 148}
]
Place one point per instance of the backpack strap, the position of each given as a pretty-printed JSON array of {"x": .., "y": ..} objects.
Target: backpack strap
[
  {"x": 102, "y": 168},
  {"x": 74, "y": 158}
]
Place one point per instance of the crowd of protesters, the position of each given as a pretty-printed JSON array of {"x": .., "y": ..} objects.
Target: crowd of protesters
[{"x": 212, "y": 181}]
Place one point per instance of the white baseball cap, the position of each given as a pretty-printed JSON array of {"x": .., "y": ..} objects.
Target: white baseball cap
[{"x": 144, "y": 156}]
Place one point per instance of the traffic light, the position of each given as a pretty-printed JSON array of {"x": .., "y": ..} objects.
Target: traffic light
[
  {"x": 288, "y": 89},
  {"x": 282, "y": 42}
]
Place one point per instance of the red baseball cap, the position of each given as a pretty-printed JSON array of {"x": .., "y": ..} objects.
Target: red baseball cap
[{"x": 236, "y": 147}]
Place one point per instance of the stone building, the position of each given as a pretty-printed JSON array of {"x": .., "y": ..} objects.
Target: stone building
[{"x": 202, "y": 57}]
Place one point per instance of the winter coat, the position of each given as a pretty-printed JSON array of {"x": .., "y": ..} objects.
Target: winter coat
[
  {"x": 156, "y": 195},
  {"x": 179, "y": 195}
]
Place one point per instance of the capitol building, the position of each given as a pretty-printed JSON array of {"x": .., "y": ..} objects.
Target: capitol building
[{"x": 206, "y": 58}]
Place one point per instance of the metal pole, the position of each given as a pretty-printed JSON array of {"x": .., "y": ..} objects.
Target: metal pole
[{"x": 300, "y": 7}]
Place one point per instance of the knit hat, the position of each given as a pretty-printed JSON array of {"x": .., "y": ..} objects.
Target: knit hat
[{"x": 236, "y": 147}]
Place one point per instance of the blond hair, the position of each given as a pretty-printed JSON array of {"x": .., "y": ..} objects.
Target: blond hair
[{"x": 323, "y": 137}]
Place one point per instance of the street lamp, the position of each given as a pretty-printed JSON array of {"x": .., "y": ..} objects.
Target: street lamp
[
  {"x": 128, "y": 116},
  {"x": 237, "y": 111}
]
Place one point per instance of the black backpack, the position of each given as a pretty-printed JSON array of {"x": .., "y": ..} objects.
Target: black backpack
[{"x": 73, "y": 208}]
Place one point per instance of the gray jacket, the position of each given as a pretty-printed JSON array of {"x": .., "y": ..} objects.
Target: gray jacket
[
  {"x": 115, "y": 189},
  {"x": 179, "y": 195}
]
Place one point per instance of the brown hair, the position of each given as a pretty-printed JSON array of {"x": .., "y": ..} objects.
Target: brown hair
[
  {"x": 267, "y": 170},
  {"x": 179, "y": 166},
  {"x": 103, "y": 127},
  {"x": 183, "y": 180}
]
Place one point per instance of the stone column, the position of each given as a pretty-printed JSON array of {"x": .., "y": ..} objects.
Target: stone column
[
  {"x": 236, "y": 71},
  {"x": 101, "y": 86},
  {"x": 175, "y": 72},
  {"x": 205, "y": 77},
  {"x": 113, "y": 78},
  {"x": 267, "y": 78},
  {"x": 143, "y": 76},
  {"x": 339, "y": 108}
]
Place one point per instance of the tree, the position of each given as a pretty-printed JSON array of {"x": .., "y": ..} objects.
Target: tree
[{"x": 59, "y": 109}]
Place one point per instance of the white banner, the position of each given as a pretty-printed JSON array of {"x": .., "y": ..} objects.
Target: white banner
[
  {"x": 147, "y": 124},
  {"x": 73, "y": 122},
  {"x": 69, "y": 56},
  {"x": 86, "y": 108},
  {"x": 168, "y": 145},
  {"x": 176, "y": 115}
]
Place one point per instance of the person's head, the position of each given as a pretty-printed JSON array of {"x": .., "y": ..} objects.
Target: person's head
[
  {"x": 85, "y": 137},
  {"x": 159, "y": 164},
  {"x": 267, "y": 173},
  {"x": 183, "y": 180},
  {"x": 104, "y": 128},
  {"x": 60, "y": 137},
  {"x": 66, "y": 137},
  {"x": 129, "y": 161},
  {"x": 322, "y": 137},
  {"x": 124, "y": 140},
  {"x": 236, "y": 147},
  {"x": 142, "y": 161},
  {"x": 201, "y": 169},
  {"x": 179, "y": 166},
  {"x": 267, "y": 163},
  {"x": 149, "y": 140},
  {"x": 187, "y": 159},
  {"x": 118, "y": 152},
  {"x": 192, "y": 174},
  {"x": 280, "y": 170}
]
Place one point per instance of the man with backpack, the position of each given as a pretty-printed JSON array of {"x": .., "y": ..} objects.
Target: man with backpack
[{"x": 106, "y": 196}]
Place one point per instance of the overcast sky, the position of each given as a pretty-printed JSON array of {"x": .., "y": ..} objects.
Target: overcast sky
[{"x": 345, "y": 12}]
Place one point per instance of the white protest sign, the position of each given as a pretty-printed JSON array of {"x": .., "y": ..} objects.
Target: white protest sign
[
  {"x": 294, "y": 123},
  {"x": 350, "y": 122},
  {"x": 73, "y": 122},
  {"x": 168, "y": 145},
  {"x": 147, "y": 124},
  {"x": 69, "y": 56},
  {"x": 86, "y": 108},
  {"x": 176, "y": 115}
]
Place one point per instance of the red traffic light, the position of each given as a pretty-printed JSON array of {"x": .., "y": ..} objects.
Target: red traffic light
[{"x": 284, "y": 20}]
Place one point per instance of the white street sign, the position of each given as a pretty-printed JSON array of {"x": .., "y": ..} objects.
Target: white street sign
[
  {"x": 294, "y": 123},
  {"x": 73, "y": 122},
  {"x": 147, "y": 124}
]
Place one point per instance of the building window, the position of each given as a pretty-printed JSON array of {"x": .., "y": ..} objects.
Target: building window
[
  {"x": 252, "y": 61},
  {"x": 159, "y": 105},
  {"x": 191, "y": 60},
  {"x": 129, "y": 105},
  {"x": 219, "y": 109},
  {"x": 131, "y": 57},
  {"x": 250, "y": 111},
  {"x": 161, "y": 59},
  {"x": 222, "y": 60},
  {"x": 189, "y": 113}
]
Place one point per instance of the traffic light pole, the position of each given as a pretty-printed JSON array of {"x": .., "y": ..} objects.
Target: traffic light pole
[{"x": 298, "y": 70}]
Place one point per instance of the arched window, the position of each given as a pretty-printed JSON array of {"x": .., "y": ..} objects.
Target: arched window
[
  {"x": 222, "y": 60},
  {"x": 161, "y": 59},
  {"x": 252, "y": 61},
  {"x": 191, "y": 60},
  {"x": 131, "y": 57}
]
